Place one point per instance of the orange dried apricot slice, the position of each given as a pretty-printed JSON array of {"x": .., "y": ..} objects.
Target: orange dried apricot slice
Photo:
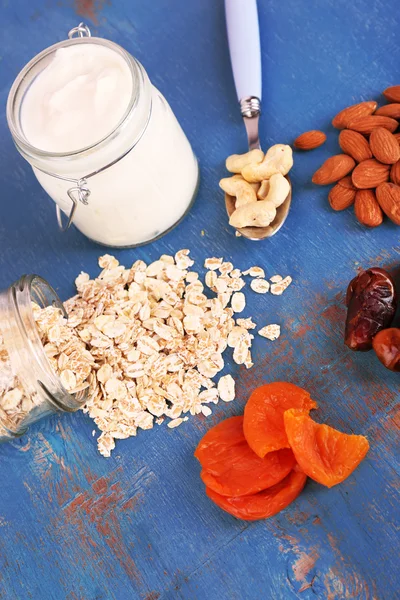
[
  {"x": 263, "y": 415},
  {"x": 251, "y": 474},
  {"x": 221, "y": 444},
  {"x": 230, "y": 466},
  {"x": 325, "y": 454},
  {"x": 265, "y": 504}
]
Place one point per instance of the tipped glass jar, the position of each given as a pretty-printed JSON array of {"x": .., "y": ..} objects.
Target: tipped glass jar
[
  {"x": 102, "y": 141},
  {"x": 30, "y": 389}
]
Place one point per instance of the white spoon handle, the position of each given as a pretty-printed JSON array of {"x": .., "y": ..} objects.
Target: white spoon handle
[{"x": 244, "y": 46}]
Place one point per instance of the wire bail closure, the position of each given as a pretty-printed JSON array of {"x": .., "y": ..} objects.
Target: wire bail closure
[
  {"x": 81, "y": 31},
  {"x": 81, "y": 192}
]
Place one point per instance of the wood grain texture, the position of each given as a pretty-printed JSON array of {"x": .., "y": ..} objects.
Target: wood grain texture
[{"x": 76, "y": 526}]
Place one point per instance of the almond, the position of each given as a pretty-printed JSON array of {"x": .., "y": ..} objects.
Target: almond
[
  {"x": 367, "y": 209},
  {"x": 355, "y": 145},
  {"x": 392, "y": 94},
  {"x": 395, "y": 173},
  {"x": 333, "y": 169},
  {"x": 389, "y": 110},
  {"x": 310, "y": 140},
  {"x": 397, "y": 136},
  {"x": 341, "y": 197},
  {"x": 355, "y": 111},
  {"x": 347, "y": 183},
  {"x": 388, "y": 196},
  {"x": 384, "y": 146},
  {"x": 369, "y": 174},
  {"x": 367, "y": 124}
]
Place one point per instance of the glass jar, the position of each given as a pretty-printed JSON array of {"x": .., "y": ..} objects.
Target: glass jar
[
  {"x": 131, "y": 186},
  {"x": 29, "y": 387}
]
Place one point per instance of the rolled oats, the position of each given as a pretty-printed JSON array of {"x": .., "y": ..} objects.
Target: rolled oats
[
  {"x": 68, "y": 379},
  {"x": 225, "y": 268},
  {"x": 206, "y": 410},
  {"x": 237, "y": 334},
  {"x": 240, "y": 351},
  {"x": 226, "y": 388},
  {"x": 209, "y": 396},
  {"x": 182, "y": 259},
  {"x": 255, "y": 272},
  {"x": 11, "y": 399},
  {"x": 213, "y": 263},
  {"x": 248, "y": 363},
  {"x": 236, "y": 284},
  {"x": 155, "y": 268},
  {"x": 238, "y": 302},
  {"x": 191, "y": 276},
  {"x": 211, "y": 279},
  {"x": 146, "y": 342},
  {"x": 261, "y": 286},
  {"x": 221, "y": 285},
  {"x": 271, "y": 332},
  {"x": 278, "y": 288},
  {"x": 246, "y": 323}
]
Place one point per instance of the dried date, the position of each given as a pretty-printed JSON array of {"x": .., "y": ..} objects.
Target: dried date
[
  {"x": 371, "y": 305},
  {"x": 387, "y": 348}
]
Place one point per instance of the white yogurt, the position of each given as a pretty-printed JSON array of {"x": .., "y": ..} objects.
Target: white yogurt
[{"x": 81, "y": 97}]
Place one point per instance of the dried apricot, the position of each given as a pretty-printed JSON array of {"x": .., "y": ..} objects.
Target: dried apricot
[
  {"x": 323, "y": 453},
  {"x": 263, "y": 415},
  {"x": 232, "y": 468},
  {"x": 221, "y": 444},
  {"x": 265, "y": 504},
  {"x": 251, "y": 474}
]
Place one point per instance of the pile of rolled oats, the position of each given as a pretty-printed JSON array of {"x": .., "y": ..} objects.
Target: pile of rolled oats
[{"x": 146, "y": 342}]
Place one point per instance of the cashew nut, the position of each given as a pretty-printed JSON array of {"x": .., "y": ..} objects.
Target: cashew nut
[
  {"x": 239, "y": 188},
  {"x": 278, "y": 159},
  {"x": 255, "y": 185},
  {"x": 236, "y": 162},
  {"x": 256, "y": 214},
  {"x": 279, "y": 189},
  {"x": 263, "y": 189}
]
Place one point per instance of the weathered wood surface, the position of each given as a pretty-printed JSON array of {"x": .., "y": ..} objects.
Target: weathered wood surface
[{"x": 138, "y": 525}]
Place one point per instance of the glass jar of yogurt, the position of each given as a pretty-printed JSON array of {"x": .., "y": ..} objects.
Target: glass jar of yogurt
[
  {"x": 102, "y": 141},
  {"x": 30, "y": 388}
]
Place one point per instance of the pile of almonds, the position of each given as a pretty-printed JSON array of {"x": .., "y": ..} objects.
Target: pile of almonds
[{"x": 367, "y": 174}]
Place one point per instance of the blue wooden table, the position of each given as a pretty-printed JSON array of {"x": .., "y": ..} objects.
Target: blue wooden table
[{"x": 76, "y": 526}]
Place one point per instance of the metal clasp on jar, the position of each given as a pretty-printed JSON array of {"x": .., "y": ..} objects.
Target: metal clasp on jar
[{"x": 82, "y": 191}]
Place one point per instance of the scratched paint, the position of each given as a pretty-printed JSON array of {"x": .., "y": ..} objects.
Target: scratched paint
[{"x": 90, "y": 9}]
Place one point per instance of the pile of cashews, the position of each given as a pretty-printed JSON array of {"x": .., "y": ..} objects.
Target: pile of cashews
[{"x": 259, "y": 184}]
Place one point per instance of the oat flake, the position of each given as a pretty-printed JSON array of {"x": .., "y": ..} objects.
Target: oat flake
[
  {"x": 278, "y": 288},
  {"x": 255, "y": 272},
  {"x": 271, "y": 332},
  {"x": 226, "y": 388},
  {"x": 261, "y": 286},
  {"x": 238, "y": 302}
]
